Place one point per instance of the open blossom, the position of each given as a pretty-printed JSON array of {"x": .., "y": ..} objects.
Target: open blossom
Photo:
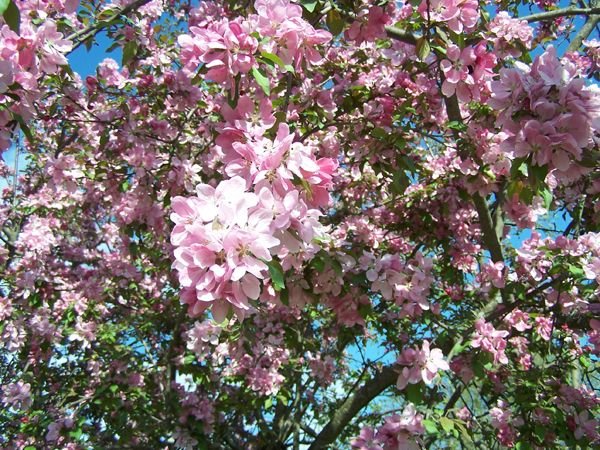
[
  {"x": 202, "y": 337},
  {"x": 543, "y": 326},
  {"x": 53, "y": 47},
  {"x": 400, "y": 430},
  {"x": 592, "y": 269},
  {"x": 467, "y": 71},
  {"x": 518, "y": 319},
  {"x": 503, "y": 422},
  {"x": 225, "y": 47},
  {"x": 586, "y": 426},
  {"x": 460, "y": 15},
  {"x": 494, "y": 272},
  {"x": 407, "y": 284},
  {"x": 422, "y": 364},
  {"x": 370, "y": 29},
  {"x": 366, "y": 440},
  {"x": 491, "y": 340}
]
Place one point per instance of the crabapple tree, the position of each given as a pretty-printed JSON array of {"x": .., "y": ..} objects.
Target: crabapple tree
[{"x": 299, "y": 224}]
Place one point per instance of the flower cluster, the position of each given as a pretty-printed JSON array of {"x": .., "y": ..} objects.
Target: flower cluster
[
  {"x": 558, "y": 113},
  {"x": 398, "y": 431},
  {"x": 491, "y": 340},
  {"x": 223, "y": 240},
  {"x": 422, "y": 364},
  {"x": 24, "y": 58},
  {"x": 407, "y": 284},
  {"x": 467, "y": 71},
  {"x": 509, "y": 33},
  {"x": 460, "y": 15}
]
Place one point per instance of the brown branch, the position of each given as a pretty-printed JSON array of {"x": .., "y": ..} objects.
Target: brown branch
[{"x": 348, "y": 409}]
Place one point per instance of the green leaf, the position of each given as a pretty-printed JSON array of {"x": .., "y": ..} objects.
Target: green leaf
[
  {"x": 273, "y": 58},
  {"x": 423, "y": 48},
  {"x": 12, "y": 16},
  {"x": 276, "y": 273},
  {"x": 407, "y": 162},
  {"x": 284, "y": 296},
  {"x": 430, "y": 426},
  {"x": 456, "y": 125},
  {"x": 538, "y": 173},
  {"x": 539, "y": 431},
  {"x": 576, "y": 271},
  {"x": 268, "y": 403},
  {"x": 318, "y": 264},
  {"x": 518, "y": 167},
  {"x": 104, "y": 139},
  {"x": 547, "y": 196},
  {"x": 335, "y": 23},
  {"x": 466, "y": 437},
  {"x": 380, "y": 133},
  {"x": 76, "y": 434},
  {"x": 24, "y": 127},
  {"x": 400, "y": 182},
  {"x": 441, "y": 33},
  {"x": 414, "y": 393},
  {"x": 262, "y": 80},
  {"x": 447, "y": 424},
  {"x": 129, "y": 52},
  {"x": 4, "y": 5},
  {"x": 309, "y": 5}
]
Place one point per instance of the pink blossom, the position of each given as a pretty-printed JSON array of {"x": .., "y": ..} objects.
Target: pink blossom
[
  {"x": 366, "y": 440},
  {"x": 457, "y": 78},
  {"x": 518, "y": 319},
  {"x": 53, "y": 48},
  {"x": 370, "y": 29},
  {"x": 508, "y": 31},
  {"x": 422, "y": 364},
  {"x": 399, "y": 431},
  {"x": 543, "y": 327},
  {"x": 271, "y": 14},
  {"x": 490, "y": 340}
]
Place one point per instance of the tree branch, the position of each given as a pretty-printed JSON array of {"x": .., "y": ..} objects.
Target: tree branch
[
  {"x": 490, "y": 238},
  {"x": 586, "y": 29},
  {"x": 570, "y": 11},
  {"x": 81, "y": 36},
  {"x": 348, "y": 409}
]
